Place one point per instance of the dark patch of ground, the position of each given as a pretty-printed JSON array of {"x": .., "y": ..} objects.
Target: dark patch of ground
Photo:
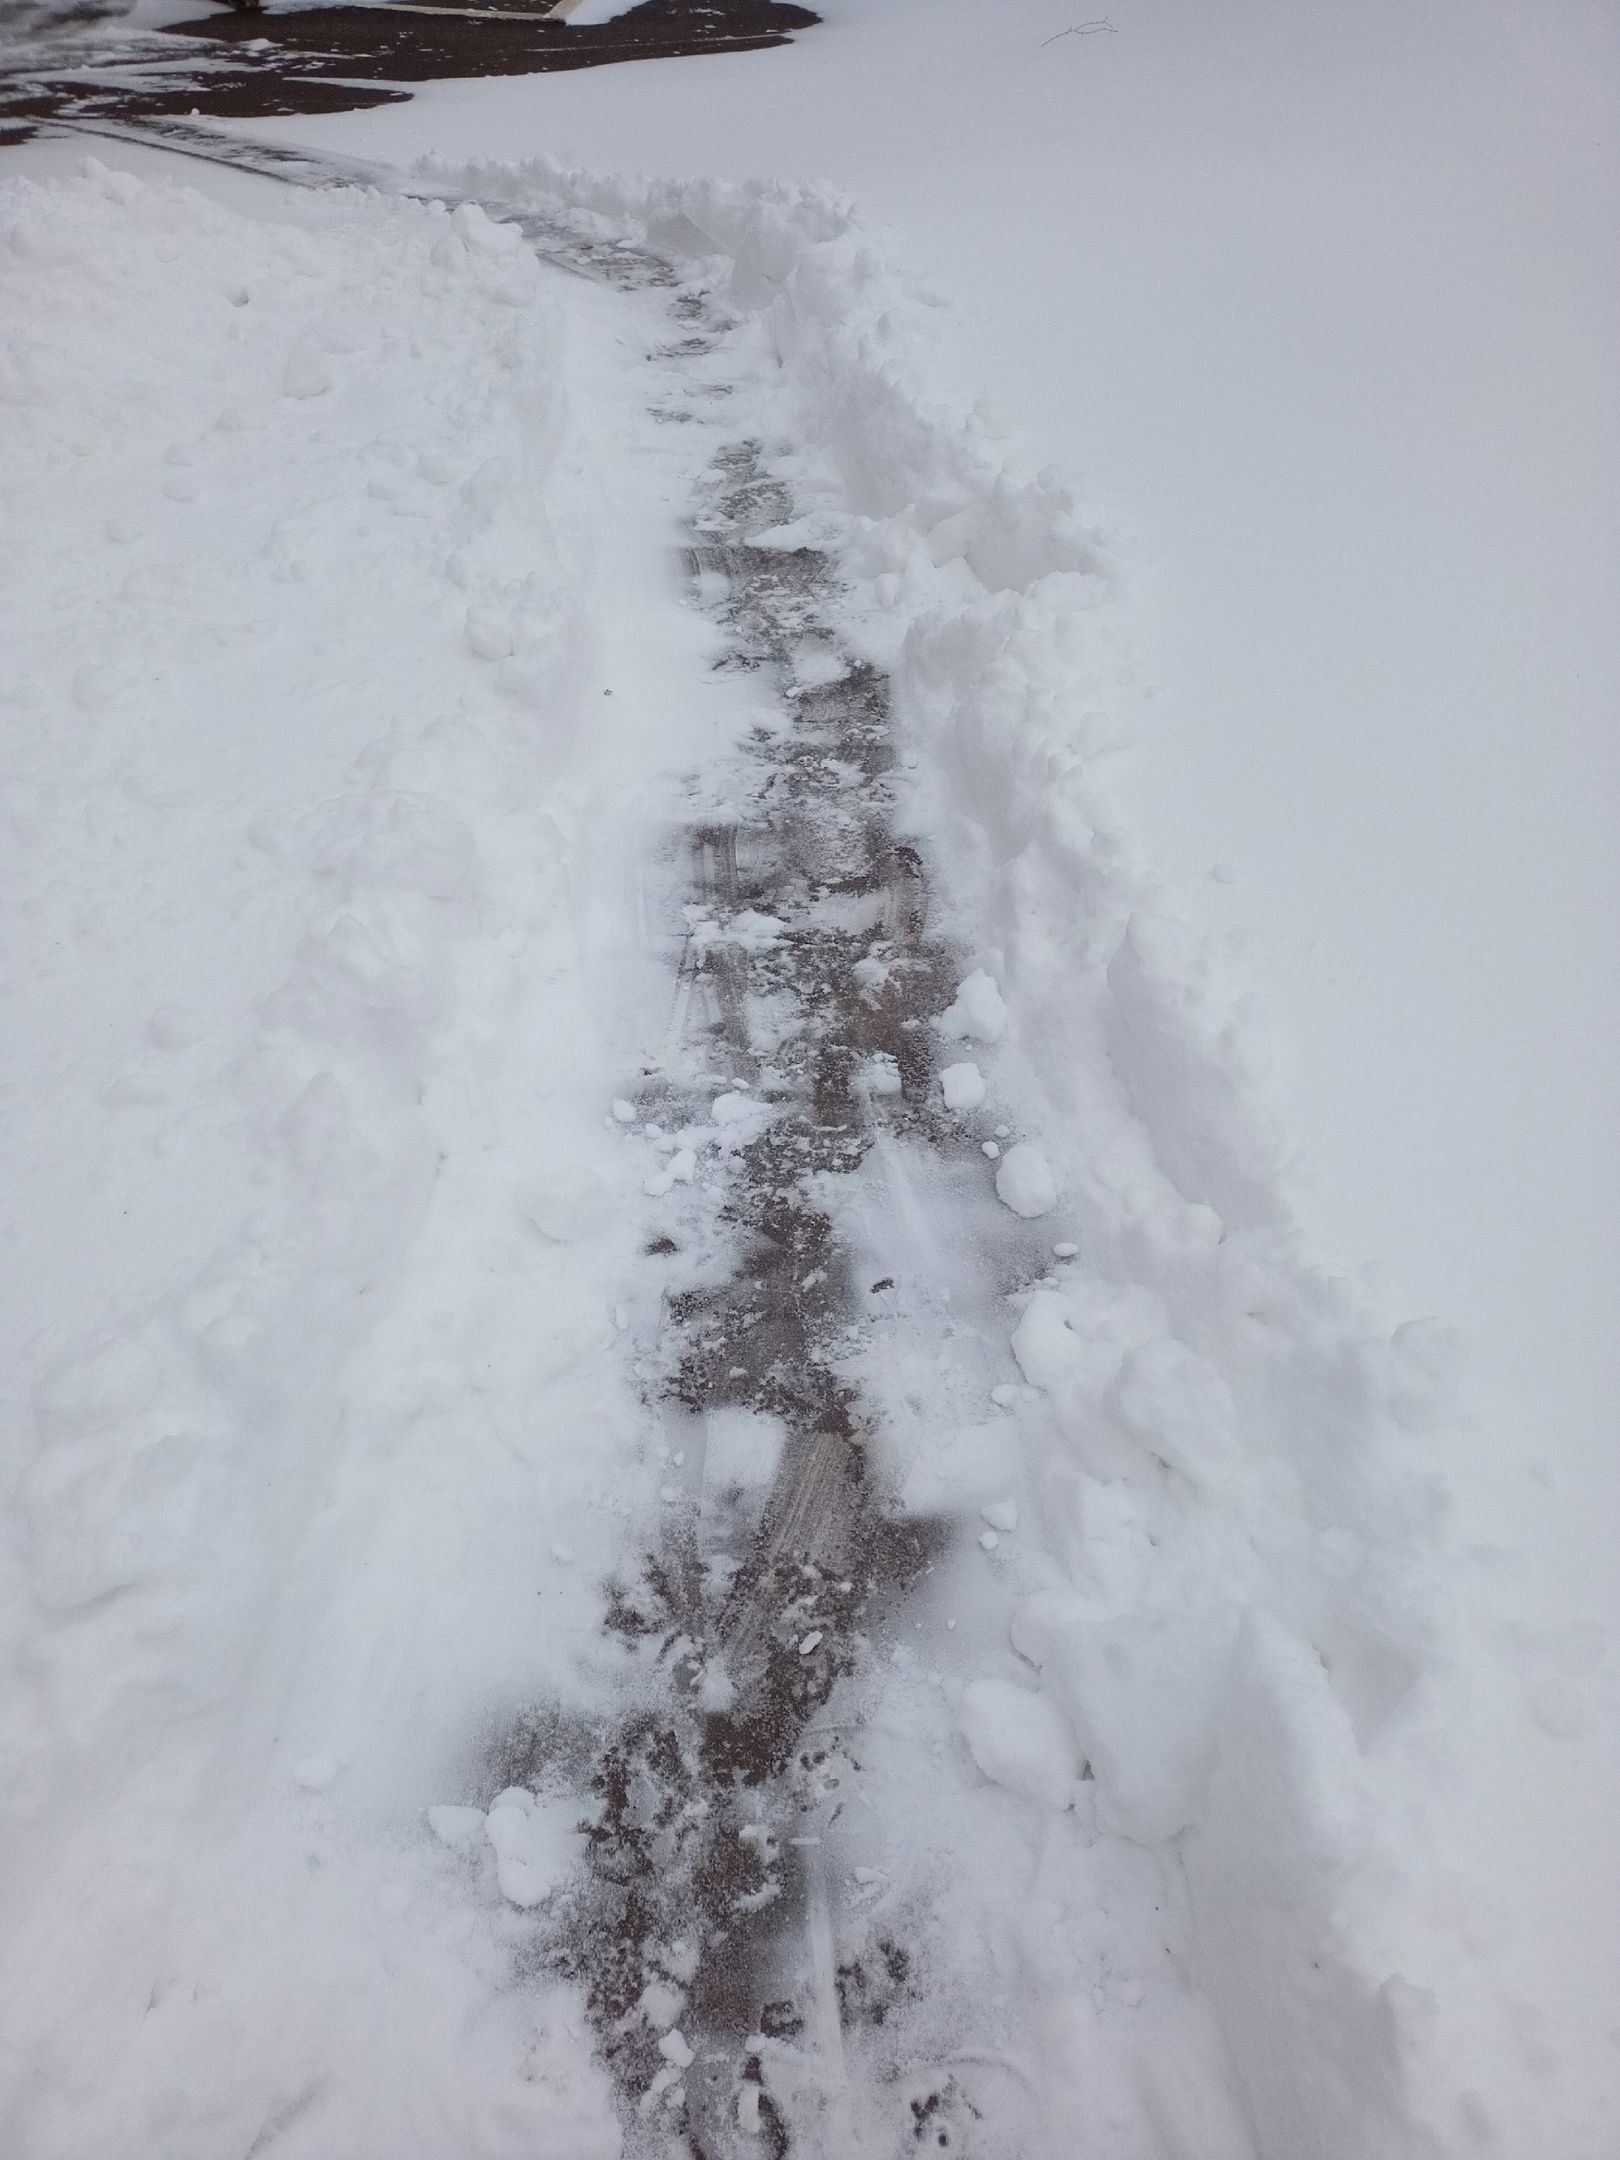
[{"x": 264, "y": 64}]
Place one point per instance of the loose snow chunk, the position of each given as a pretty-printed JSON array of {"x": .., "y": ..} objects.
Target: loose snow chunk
[
  {"x": 1020, "y": 1740},
  {"x": 534, "y": 1842},
  {"x": 661, "y": 2004},
  {"x": 676, "y": 2048},
  {"x": 1024, "y": 1181},
  {"x": 679, "y": 1170},
  {"x": 315, "y": 1772},
  {"x": 979, "y": 1012},
  {"x": 963, "y": 1085},
  {"x": 565, "y": 1204}
]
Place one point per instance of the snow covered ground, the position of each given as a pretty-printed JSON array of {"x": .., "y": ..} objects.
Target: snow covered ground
[
  {"x": 359, "y": 702},
  {"x": 1319, "y": 304}
]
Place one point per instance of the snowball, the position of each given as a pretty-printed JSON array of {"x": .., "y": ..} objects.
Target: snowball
[
  {"x": 963, "y": 1085},
  {"x": 565, "y": 1204},
  {"x": 978, "y": 1012},
  {"x": 675, "y": 2047},
  {"x": 1024, "y": 1181},
  {"x": 1020, "y": 1740}
]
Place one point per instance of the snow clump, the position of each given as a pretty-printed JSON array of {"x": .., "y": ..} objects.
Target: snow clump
[
  {"x": 1024, "y": 1181},
  {"x": 1020, "y": 1739}
]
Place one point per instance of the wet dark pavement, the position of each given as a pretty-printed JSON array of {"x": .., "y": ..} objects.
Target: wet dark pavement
[{"x": 273, "y": 63}]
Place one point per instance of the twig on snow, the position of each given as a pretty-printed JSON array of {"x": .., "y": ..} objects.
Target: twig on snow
[{"x": 1085, "y": 29}]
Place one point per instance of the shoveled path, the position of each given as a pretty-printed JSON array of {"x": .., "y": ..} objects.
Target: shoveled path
[{"x": 754, "y": 1623}]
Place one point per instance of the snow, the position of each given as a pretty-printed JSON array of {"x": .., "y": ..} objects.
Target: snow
[
  {"x": 963, "y": 1086},
  {"x": 1319, "y": 303},
  {"x": 286, "y": 941},
  {"x": 1021, "y": 1740},
  {"x": 535, "y": 1841},
  {"x": 1246, "y": 1534},
  {"x": 567, "y": 1203},
  {"x": 583, "y": 12},
  {"x": 977, "y": 1011},
  {"x": 1321, "y": 320},
  {"x": 1024, "y": 1180},
  {"x": 336, "y": 1203}
]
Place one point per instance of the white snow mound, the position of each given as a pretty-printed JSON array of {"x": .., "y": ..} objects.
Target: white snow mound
[{"x": 1020, "y": 1739}]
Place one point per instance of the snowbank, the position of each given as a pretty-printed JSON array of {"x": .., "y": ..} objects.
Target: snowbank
[
  {"x": 292, "y": 656},
  {"x": 1248, "y": 1611}
]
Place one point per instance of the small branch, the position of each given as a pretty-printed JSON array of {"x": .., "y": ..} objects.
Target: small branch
[{"x": 1085, "y": 29}]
